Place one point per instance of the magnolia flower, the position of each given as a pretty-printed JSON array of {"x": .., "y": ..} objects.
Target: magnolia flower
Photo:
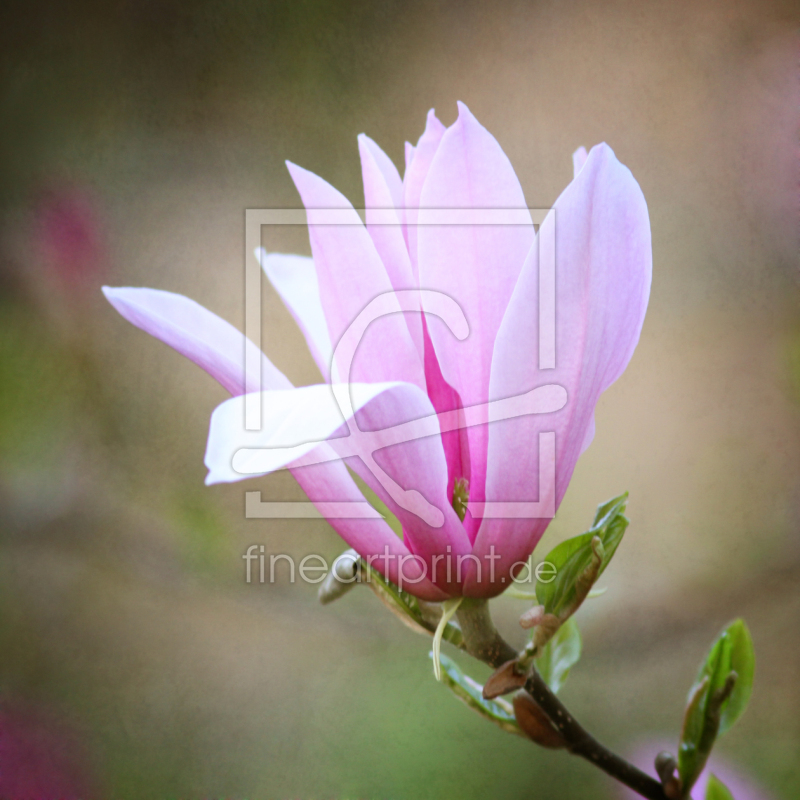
[{"x": 450, "y": 333}]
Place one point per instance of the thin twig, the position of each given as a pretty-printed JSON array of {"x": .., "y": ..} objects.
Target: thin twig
[
  {"x": 484, "y": 642},
  {"x": 581, "y": 743}
]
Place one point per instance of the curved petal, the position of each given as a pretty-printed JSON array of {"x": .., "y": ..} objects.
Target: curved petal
[
  {"x": 417, "y": 464},
  {"x": 195, "y": 332},
  {"x": 409, "y": 153},
  {"x": 444, "y": 398},
  {"x": 578, "y": 160},
  {"x": 332, "y": 482},
  {"x": 351, "y": 274},
  {"x": 414, "y": 180},
  {"x": 385, "y": 165},
  {"x": 601, "y": 233},
  {"x": 477, "y": 265},
  {"x": 589, "y": 437},
  {"x": 383, "y": 201},
  {"x": 295, "y": 280},
  {"x": 366, "y": 424},
  {"x": 217, "y": 347},
  {"x": 294, "y": 423}
]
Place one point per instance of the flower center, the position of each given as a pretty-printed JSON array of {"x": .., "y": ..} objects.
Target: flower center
[{"x": 461, "y": 497}]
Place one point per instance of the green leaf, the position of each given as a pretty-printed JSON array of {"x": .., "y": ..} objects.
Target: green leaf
[
  {"x": 560, "y": 654},
  {"x": 717, "y": 790},
  {"x": 732, "y": 652},
  {"x": 574, "y": 556},
  {"x": 717, "y": 699},
  {"x": 742, "y": 660},
  {"x": 498, "y": 711}
]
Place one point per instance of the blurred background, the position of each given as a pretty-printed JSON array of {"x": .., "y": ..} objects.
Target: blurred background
[{"x": 135, "y": 660}]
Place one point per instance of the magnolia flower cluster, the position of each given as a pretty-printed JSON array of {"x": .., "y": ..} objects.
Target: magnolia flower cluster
[{"x": 458, "y": 332}]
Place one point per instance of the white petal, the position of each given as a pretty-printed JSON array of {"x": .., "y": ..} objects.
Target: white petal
[{"x": 295, "y": 280}]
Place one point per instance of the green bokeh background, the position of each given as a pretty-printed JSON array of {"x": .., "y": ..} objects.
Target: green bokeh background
[{"x": 123, "y": 608}]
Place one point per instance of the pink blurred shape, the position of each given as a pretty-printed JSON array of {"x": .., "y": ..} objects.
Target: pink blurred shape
[
  {"x": 740, "y": 786},
  {"x": 67, "y": 233},
  {"x": 39, "y": 758}
]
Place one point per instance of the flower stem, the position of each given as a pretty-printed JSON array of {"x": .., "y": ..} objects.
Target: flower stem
[
  {"x": 484, "y": 642},
  {"x": 482, "y": 639}
]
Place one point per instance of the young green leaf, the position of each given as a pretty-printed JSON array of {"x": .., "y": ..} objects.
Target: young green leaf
[
  {"x": 741, "y": 660},
  {"x": 717, "y": 699},
  {"x": 717, "y": 790},
  {"x": 574, "y": 557},
  {"x": 498, "y": 711},
  {"x": 560, "y": 654}
]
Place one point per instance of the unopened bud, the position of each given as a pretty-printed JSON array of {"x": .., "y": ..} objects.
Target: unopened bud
[
  {"x": 341, "y": 579},
  {"x": 532, "y": 617},
  {"x": 345, "y": 567},
  {"x": 666, "y": 764}
]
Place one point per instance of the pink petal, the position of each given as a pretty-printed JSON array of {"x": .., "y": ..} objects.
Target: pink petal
[
  {"x": 444, "y": 398},
  {"x": 385, "y": 165},
  {"x": 415, "y": 464},
  {"x": 603, "y": 271},
  {"x": 295, "y": 280},
  {"x": 331, "y": 482},
  {"x": 203, "y": 337},
  {"x": 589, "y": 436},
  {"x": 578, "y": 160},
  {"x": 409, "y": 153},
  {"x": 295, "y": 421},
  {"x": 351, "y": 274},
  {"x": 416, "y": 173},
  {"x": 383, "y": 200},
  {"x": 476, "y": 265},
  {"x": 219, "y": 349}
]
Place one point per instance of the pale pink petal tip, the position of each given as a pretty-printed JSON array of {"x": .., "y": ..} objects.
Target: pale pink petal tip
[
  {"x": 409, "y": 152},
  {"x": 433, "y": 123},
  {"x": 200, "y": 335},
  {"x": 578, "y": 160}
]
